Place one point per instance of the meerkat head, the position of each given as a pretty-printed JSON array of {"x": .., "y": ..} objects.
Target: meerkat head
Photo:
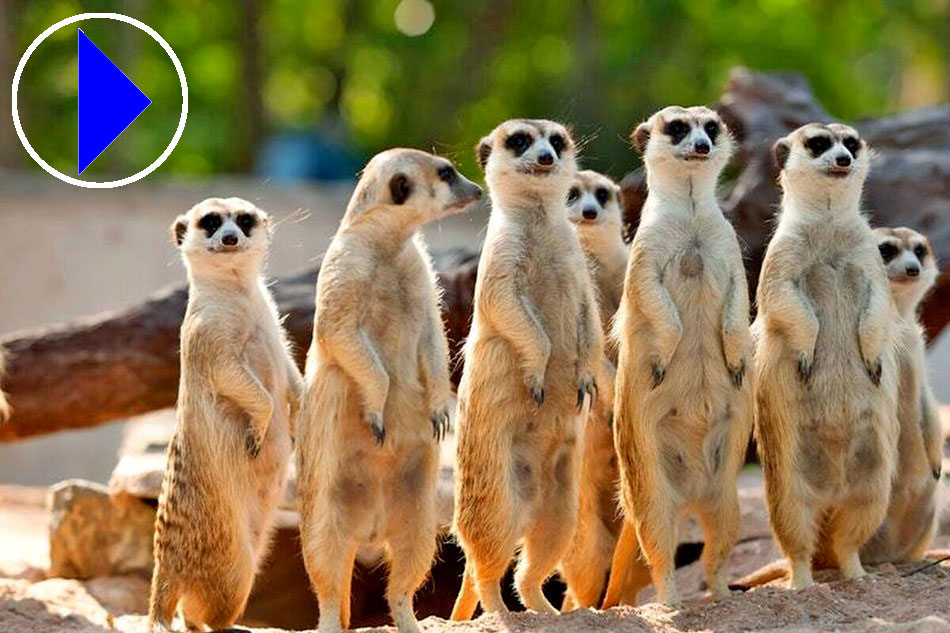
[
  {"x": 911, "y": 265},
  {"x": 410, "y": 187},
  {"x": 690, "y": 140},
  {"x": 593, "y": 206},
  {"x": 528, "y": 158},
  {"x": 222, "y": 232},
  {"x": 822, "y": 158}
]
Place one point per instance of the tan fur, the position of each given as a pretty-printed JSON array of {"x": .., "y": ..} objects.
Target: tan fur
[
  {"x": 530, "y": 360},
  {"x": 5, "y": 409},
  {"x": 594, "y": 210},
  {"x": 377, "y": 387},
  {"x": 684, "y": 403},
  {"x": 238, "y": 396},
  {"x": 827, "y": 377}
]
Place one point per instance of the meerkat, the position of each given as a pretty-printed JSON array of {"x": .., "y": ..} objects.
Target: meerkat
[
  {"x": 593, "y": 206},
  {"x": 531, "y": 359},
  {"x": 377, "y": 389},
  {"x": 826, "y": 388},
  {"x": 912, "y": 513},
  {"x": 683, "y": 404},
  {"x": 237, "y": 400}
]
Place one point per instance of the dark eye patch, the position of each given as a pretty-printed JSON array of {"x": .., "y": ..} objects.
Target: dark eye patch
[
  {"x": 602, "y": 196},
  {"x": 852, "y": 145},
  {"x": 712, "y": 130},
  {"x": 676, "y": 130},
  {"x": 888, "y": 251},
  {"x": 557, "y": 143},
  {"x": 210, "y": 223},
  {"x": 920, "y": 251},
  {"x": 518, "y": 142},
  {"x": 448, "y": 174},
  {"x": 818, "y": 145},
  {"x": 246, "y": 222},
  {"x": 573, "y": 195}
]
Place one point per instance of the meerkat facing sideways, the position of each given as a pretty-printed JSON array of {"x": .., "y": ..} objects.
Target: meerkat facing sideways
[
  {"x": 530, "y": 361},
  {"x": 683, "y": 410},
  {"x": 593, "y": 207},
  {"x": 912, "y": 513},
  {"x": 237, "y": 400},
  {"x": 377, "y": 386},
  {"x": 827, "y": 378}
]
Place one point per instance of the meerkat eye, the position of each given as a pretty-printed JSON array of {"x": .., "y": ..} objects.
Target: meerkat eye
[
  {"x": 518, "y": 143},
  {"x": 573, "y": 195},
  {"x": 888, "y": 252},
  {"x": 712, "y": 130},
  {"x": 246, "y": 222},
  {"x": 448, "y": 174},
  {"x": 602, "y": 196},
  {"x": 852, "y": 145},
  {"x": 676, "y": 130},
  {"x": 920, "y": 251},
  {"x": 210, "y": 223},
  {"x": 818, "y": 145},
  {"x": 557, "y": 143}
]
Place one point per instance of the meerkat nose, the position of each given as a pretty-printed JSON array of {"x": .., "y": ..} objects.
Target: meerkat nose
[
  {"x": 913, "y": 270},
  {"x": 229, "y": 239},
  {"x": 546, "y": 158},
  {"x": 590, "y": 213},
  {"x": 701, "y": 147},
  {"x": 843, "y": 160}
]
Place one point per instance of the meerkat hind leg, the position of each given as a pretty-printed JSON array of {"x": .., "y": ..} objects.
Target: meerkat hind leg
[
  {"x": 657, "y": 532},
  {"x": 720, "y": 525},
  {"x": 411, "y": 557},
  {"x": 546, "y": 543}
]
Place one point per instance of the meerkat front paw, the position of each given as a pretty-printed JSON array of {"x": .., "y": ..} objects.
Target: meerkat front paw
[
  {"x": 737, "y": 374},
  {"x": 535, "y": 384},
  {"x": 874, "y": 369},
  {"x": 374, "y": 420},
  {"x": 586, "y": 385},
  {"x": 441, "y": 423},
  {"x": 805, "y": 365}
]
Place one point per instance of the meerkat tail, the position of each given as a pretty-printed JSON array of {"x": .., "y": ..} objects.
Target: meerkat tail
[
  {"x": 776, "y": 570},
  {"x": 467, "y": 599}
]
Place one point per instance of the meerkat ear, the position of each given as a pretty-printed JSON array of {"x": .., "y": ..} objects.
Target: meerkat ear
[
  {"x": 640, "y": 137},
  {"x": 178, "y": 229},
  {"x": 780, "y": 152},
  {"x": 400, "y": 188},
  {"x": 482, "y": 152}
]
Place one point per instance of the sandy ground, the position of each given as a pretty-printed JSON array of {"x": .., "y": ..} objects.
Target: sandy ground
[{"x": 891, "y": 598}]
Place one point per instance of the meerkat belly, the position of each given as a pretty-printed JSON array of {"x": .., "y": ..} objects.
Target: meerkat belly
[{"x": 541, "y": 465}]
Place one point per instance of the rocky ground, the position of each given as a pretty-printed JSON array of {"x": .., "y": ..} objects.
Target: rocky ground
[{"x": 891, "y": 598}]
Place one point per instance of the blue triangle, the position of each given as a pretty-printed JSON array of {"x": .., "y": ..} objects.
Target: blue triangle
[{"x": 108, "y": 102}]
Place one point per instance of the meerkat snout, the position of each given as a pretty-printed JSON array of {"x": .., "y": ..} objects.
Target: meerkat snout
[
  {"x": 537, "y": 149},
  {"x": 695, "y": 135},
  {"x": 593, "y": 200},
  {"x": 910, "y": 264},
  {"x": 835, "y": 151},
  {"x": 216, "y": 226}
]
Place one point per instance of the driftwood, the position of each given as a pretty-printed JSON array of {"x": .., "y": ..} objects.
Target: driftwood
[
  {"x": 909, "y": 183},
  {"x": 122, "y": 364},
  {"x": 118, "y": 365}
]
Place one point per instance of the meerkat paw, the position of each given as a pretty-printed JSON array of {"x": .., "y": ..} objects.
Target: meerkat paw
[
  {"x": 806, "y": 364},
  {"x": 874, "y": 369},
  {"x": 535, "y": 385},
  {"x": 658, "y": 372},
  {"x": 737, "y": 374},
  {"x": 375, "y": 422},
  {"x": 441, "y": 423},
  {"x": 586, "y": 386}
]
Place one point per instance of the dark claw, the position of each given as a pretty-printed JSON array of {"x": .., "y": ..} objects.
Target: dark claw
[
  {"x": 737, "y": 375},
  {"x": 804, "y": 368},
  {"x": 376, "y": 425},
  {"x": 537, "y": 393},
  {"x": 874, "y": 372},
  {"x": 610, "y": 419},
  {"x": 659, "y": 373},
  {"x": 581, "y": 391},
  {"x": 253, "y": 444},
  {"x": 594, "y": 391},
  {"x": 440, "y": 424},
  {"x": 936, "y": 474}
]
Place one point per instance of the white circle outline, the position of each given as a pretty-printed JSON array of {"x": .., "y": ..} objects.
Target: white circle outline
[{"x": 91, "y": 184}]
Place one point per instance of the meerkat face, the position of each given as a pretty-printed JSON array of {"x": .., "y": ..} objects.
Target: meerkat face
[
  {"x": 823, "y": 155},
  {"x": 528, "y": 155},
  {"x": 691, "y": 138},
  {"x": 409, "y": 179},
  {"x": 910, "y": 262},
  {"x": 222, "y": 229},
  {"x": 593, "y": 203}
]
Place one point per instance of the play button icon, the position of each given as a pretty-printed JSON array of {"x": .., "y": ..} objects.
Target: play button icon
[{"x": 108, "y": 102}]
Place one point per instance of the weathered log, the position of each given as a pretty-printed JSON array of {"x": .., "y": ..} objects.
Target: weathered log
[
  {"x": 909, "y": 184},
  {"x": 113, "y": 366}
]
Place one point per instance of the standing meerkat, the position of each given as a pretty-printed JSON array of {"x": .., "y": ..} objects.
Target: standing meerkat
[
  {"x": 683, "y": 409},
  {"x": 912, "y": 514},
  {"x": 593, "y": 207},
  {"x": 237, "y": 400},
  {"x": 827, "y": 378},
  {"x": 377, "y": 386},
  {"x": 530, "y": 363}
]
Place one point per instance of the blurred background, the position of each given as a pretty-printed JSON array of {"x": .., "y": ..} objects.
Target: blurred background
[{"x": 288, "y": 98}]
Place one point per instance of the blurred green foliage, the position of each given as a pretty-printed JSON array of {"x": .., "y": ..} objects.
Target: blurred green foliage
[{"x": 344, "y": 67}]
